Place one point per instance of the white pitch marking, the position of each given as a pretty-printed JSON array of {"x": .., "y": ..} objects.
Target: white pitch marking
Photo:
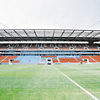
[{"x": 90, "y": 94}]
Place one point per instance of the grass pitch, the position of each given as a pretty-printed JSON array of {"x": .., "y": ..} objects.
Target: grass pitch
[{"x": 43, "y": 82}]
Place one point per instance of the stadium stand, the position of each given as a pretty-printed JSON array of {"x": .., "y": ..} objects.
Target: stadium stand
[{"x": 45, "y": 46}]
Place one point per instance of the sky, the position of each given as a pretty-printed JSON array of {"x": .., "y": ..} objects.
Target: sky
[{"x": 50, "y": 14}]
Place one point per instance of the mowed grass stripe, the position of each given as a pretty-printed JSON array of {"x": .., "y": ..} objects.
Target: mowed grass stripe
[
  {"x": 87, "y": 75},
  {"x": 13, "y": 84},
  {"x": 83, "y": 89},
  {"x": 39, "y": 82}
]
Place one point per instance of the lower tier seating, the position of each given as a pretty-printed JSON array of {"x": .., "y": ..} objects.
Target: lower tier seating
[
  {"x": 43, "y": 59},
  {"x": 83, "y": 59},
  {"x": 7, "y": 59}
]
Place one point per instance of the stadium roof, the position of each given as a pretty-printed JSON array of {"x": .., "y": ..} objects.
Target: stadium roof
[{"x": 49, "y": 35}]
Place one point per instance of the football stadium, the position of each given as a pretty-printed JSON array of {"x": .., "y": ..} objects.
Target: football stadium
[{"x": 49, "y": 64}]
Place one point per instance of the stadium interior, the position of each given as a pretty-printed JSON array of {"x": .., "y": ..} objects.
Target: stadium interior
[{"x": 49, "y": 46}]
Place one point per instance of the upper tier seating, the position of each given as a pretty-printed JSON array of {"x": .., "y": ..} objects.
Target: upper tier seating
[{"x": 49, "y": 47}]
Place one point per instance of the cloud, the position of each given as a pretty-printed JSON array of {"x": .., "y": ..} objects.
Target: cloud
[{"x": 50, "y": 14}]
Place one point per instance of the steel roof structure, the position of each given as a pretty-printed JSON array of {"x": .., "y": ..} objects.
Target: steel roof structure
[{"x": 49, "y": 35}]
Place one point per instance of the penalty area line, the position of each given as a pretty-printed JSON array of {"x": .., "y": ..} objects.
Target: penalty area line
[{"x": 86, "y": 91}]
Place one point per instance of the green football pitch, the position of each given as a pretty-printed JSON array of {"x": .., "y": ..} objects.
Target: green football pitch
[{"x": 50, "y": 82}]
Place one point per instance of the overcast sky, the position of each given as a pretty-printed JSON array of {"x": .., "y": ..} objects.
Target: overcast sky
[{"x": 68, "y": 14}]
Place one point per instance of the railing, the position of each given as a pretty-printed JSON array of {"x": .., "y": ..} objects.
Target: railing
[
  {"x": 50, "y": 53},
  {"x": 49, "y": 49}
]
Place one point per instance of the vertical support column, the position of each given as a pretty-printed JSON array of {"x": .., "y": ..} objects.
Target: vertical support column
[{"x": 91, "y": 42}]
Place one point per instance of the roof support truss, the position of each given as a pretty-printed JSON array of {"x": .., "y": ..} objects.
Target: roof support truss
[
  {"x": 71, "y": 33},
  {"x": 79, "y": 34},
  {"x": 53, "y": 34},
  {"x": 45, "y": 35},
  {"x": 18, "y": 34},
  {"x": 8, "y": 33},
  {"x": 27, "y": 34},
  {"x": 61, "y": 34},
  {"x": 36, "y": 34},
  {"x": 88, "y": 34},
  {"x": 95, "y": 34}
]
